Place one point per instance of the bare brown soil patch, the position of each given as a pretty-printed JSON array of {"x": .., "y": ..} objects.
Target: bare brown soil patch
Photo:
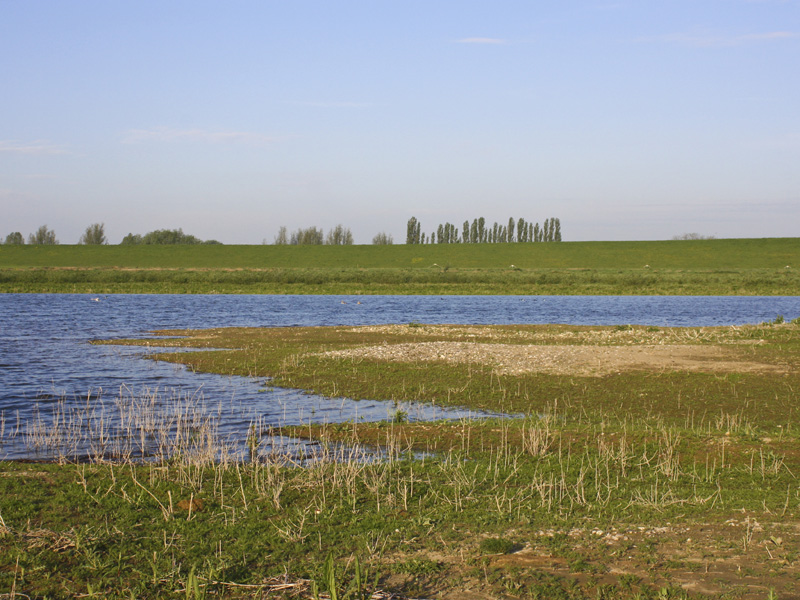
[
  {"x": 552, "y": 359},
  {"x": 740, "y": 556}
]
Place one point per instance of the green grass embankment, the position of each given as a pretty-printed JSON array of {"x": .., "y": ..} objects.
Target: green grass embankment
[
  {"x": 715, "y": 267},
  {"x": 766, "y": 253}
]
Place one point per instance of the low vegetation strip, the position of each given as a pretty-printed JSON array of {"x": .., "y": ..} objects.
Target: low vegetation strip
[
  {"x": 433, "y": 281},
  {"x": 636, "y": 483}
]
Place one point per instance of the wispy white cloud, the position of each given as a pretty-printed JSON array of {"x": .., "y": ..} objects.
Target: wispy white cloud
[
  {"x": 481, "y": 40},
  {"x": 610, "y": 6},
  {"x": 35, "y": 147},
  {"x": 337, "y": 104},
  {"x": 15, "y": 196},
  {"x": 170, "y": 134},
  {"x": 711, "y": 40},
  {"x": 772, "y": 35}
]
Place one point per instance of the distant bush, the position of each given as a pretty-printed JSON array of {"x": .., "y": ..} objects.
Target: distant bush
[
  {"x": 308, "y": 236},
  {"x": 383, "y": 239},
  {"x": 15, "y": 239},
  {"x": 164, "y": 237},
  {"x": 169, "y": 236},
  {"x": 132, "y": 239},
  {"x": 692, "y": 236}
]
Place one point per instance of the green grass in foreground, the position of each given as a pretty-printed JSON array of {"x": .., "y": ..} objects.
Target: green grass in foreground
[
  {"x": 741, "y": 267},
  {"x": 633, "y": 483}
]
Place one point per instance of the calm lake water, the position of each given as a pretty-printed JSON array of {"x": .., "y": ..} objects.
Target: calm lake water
[{"x": 61, "y": 395}]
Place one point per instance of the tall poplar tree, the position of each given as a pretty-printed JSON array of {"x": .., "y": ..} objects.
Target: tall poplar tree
[{"x": 413, "y": 232}]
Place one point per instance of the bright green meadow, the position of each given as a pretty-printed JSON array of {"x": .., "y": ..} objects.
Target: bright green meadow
[{"x": 685, "y": 267}]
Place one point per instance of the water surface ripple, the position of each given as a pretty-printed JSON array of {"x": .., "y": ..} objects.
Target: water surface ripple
[{"x": 49, "y": 369}]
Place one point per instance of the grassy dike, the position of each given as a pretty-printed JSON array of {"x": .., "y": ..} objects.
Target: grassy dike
[
  {"x": 629, "y": 483},
  {"x": 700, "y": 267}
]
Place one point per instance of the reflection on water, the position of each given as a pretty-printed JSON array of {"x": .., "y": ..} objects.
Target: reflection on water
[{"x": 59, "y": 394}]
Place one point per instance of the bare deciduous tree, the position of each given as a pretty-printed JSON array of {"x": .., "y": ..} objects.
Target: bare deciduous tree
[
  {"x": 339, "y": 236},
  {"x": 43, "y": 236},
  {"x": 282, "y": 238},
  {"x": 383, "y": 239},
  {"x": 94, "y": 234},
  {"x": 307, "y": 236}
]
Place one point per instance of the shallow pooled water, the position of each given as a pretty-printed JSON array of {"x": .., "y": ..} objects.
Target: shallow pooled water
[{"x": 50, "y": 375}]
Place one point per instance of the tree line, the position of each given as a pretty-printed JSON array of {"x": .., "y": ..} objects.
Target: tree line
[
  {"x": 314, "y": 236},
  {"x": 477, "y": 232},
  {"x": 336, "y": 236},
  {"x": 44, "y": 235},
  {"x": 95, "y": 235},
  {"x": 162, "y": 237}
]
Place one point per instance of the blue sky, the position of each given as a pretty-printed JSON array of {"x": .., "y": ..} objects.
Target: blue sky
[{"x": 625, "y": 119}]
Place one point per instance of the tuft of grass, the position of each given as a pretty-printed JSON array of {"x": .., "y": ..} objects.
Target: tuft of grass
[{"x": 498, "y": 545}]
